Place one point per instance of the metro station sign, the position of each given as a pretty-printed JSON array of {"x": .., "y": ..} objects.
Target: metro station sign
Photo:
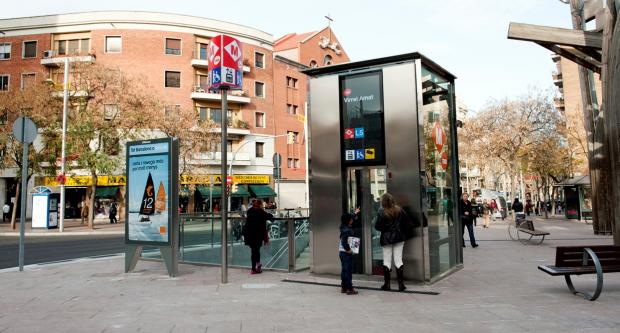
[
  {"x": 225, "y": 63},
  {"x": 439, "y": 136}
]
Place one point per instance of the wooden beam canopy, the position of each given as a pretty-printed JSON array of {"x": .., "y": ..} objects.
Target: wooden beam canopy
[{"x": 551, "y": 35}]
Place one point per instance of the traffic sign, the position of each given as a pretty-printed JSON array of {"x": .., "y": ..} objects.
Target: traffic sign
[
  {"x": 228, "y": 180},
  {"x": 277, "y": 160},
  {"x": 24, "y": 130},
  {"x": 444, "y": 160},
  {"x": 439, "y": 136}
]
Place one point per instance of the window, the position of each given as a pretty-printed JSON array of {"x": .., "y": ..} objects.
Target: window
[
  {"x": 291, "y": 82},
  {"x": 28, "y": 80},
  {"x": 291, "y": 109},
  {"x": 260, "y": 119},
  {"x": 313, "y": 64},
  {"x": 112, "y": 146},
  {"x": 260, "y": 149},
  {"x": 73, "y": 46},
  {"x": 4, "y": 82},
  {"x": 295, "y": 136},
  {"x": 327, "y": 60},
  {"x": 5, "y": 51},
  {"x": 203, "y": 83},
  {"x": 216, "y": 116},
  {"x": 173, "y": 46},
  {"x": 293, "y": 163},
  {"x": 173, "y": 79},
  {"x": 30, "y": 49},
  {"x": 297, "y": 163},
  {"x": 259, "y": 60},
  {"x": 113, "y": 44},
  {"x": 110, "y": 111},
  {"x": 202, "y": 51},
  {"x": 172, "y": 111},
  {"x": 259, "y": 89},
  {"x": 202, "y": 113}
]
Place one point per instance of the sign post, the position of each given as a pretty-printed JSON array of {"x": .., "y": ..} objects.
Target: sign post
[
  {"x": 152, "y": 212},
  {"x": 225, "y": 72},
  {"x": 25, "y": 131},
  {"x": 277, "y": 164}
]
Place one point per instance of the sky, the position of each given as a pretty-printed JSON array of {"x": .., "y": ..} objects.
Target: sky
[{"x": 466, "y": 37}]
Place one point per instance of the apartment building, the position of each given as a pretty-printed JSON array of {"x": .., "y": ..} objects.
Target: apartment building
[
  {"x": 568, "y": 101},
  {"x": 170, "y": 51}
]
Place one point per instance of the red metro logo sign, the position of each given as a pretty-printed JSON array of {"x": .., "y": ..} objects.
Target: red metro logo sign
[
  {"x": 225, "y": 63},
  {"x": 439, "y": 136}
]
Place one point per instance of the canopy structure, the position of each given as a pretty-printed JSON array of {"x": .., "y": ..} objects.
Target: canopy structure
[
  {"x": 575, "y": 181},
  {"x": 262, "y": 191},
  {"x": 106, "y": 192}
]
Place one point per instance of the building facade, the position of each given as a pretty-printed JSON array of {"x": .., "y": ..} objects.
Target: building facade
[{"x": 170, "y": 51}]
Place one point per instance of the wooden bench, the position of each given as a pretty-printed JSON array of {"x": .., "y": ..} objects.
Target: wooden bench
[
  {"x": 527, "y": 227},
  {"x": 579, "y": 260}
]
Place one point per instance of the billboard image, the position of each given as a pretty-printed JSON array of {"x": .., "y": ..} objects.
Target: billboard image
[{"x": 149, "y": 180}]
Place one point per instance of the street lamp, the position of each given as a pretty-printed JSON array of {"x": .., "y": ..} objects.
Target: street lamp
[{"x": 65, "y": 102}]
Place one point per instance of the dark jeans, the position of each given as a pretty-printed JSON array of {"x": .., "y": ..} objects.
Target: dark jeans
[
  {"x": 255, "y": 254},
  {"x": 470, "y": 230},
  {"x": 346, "y": 275}
]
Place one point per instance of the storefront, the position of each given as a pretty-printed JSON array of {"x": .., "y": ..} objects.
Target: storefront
[
  {"x": 577, "y": 198},
  {"x": 385, "y": 125}
]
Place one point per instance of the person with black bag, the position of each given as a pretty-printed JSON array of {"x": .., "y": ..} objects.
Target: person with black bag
[
  {"x": 396, "y": 227},
  {"x": 255, "y": 232}
]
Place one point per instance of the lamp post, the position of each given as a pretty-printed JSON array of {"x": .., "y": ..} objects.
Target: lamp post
[{"x": 65, "y": 102}]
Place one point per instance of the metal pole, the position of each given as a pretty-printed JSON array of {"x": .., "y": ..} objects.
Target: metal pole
[
  {"x": 307, "y": 152},
  {"x": 224, "y": 203},
  {"x": 22, "y": 223},
  {"x": 61, "y": 225}
]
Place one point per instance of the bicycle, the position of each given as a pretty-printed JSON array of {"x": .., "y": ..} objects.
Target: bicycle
[{"x": 513, "y": 228}]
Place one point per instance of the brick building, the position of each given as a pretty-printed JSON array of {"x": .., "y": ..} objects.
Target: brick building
[{"x": 171, "y": 51}]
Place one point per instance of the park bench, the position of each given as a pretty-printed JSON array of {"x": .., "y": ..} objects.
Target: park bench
[
  {"x": 579, "y": 260},
  {"x": 527, "y": 227}
]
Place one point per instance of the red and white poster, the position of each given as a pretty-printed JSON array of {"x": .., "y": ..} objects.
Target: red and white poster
[{"x": 444, "y": 160}]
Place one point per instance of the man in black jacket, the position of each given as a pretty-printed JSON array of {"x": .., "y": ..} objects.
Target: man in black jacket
[{"x": 465, "y": 210}]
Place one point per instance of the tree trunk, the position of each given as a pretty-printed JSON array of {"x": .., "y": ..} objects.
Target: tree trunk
[
  {"x": 91, "y": 199},
  {"x": 611, "y": 99},
  {"x": 545, "y": 198},
  {"x": 14, "y": 213},
  {"x": 598, "y": 155}
]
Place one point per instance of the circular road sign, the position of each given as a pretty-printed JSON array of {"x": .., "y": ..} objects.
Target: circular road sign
[{"x": 24, "y": 130}]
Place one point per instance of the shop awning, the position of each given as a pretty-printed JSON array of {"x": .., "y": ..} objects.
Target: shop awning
[
  {"x": 242, "y": 191},
  {"x": 204, "y": 191},
  {"x": 262, "y": 191},
  {"x": 576, "y": 181},
  {"x": 106, "y": 192}
]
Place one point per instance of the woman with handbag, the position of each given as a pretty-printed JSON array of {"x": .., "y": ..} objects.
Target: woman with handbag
[
  {"x": 395, "y": 227},
  {"x": 255, "y": 232}
]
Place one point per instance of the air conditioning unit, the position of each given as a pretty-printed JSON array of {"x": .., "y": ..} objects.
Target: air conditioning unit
[{"x": 48, "y": 54}]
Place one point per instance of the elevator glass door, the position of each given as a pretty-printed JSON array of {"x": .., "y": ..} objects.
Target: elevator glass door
[{"x": 365, "y": 185}]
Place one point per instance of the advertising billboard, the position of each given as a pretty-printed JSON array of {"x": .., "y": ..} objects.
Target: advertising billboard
[
  {"x": 361, "y": 111},
  {"x": 225, "y": 63},
  {"x": 151, "y": 186}
]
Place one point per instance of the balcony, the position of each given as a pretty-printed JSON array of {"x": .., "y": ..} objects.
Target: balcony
[
  {"x": 50, "y": 59},
  {"x": 241, "y": 159},
  {"x": 201, "y": 94},
  {"x": 204, "y": 64},
  {"x": 558, "y": 102},
  {"x": 557, "y": 79}
]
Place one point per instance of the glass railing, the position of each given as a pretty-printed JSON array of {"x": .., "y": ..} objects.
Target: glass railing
[{"x": 200, "y": 241}]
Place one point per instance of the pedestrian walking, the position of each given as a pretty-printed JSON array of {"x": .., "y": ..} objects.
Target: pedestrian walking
[
  {"x": 255, "y": 232},
  {"x": 112, "y": 213},
  {"x": 346, "y": 255},
  {"x": 395, "y": 227},
  {"x": 84, "y": 210},
  {"x": 517, "y": 208},
  {"x": 466, "y": 220},
  {"x": 486, "y": 211},
  {"x": 493, "y": 207},
  {"x": 6, "y": 212}
]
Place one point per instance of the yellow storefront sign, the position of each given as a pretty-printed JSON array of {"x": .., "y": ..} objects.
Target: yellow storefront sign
[
  {"x": 217, "y": 179},
  {"x": 75, "y": 181},
  {"x": 87, "y": 181}
]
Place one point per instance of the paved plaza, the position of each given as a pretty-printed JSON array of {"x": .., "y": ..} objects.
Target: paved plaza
[{"x": 500, "y": 289}]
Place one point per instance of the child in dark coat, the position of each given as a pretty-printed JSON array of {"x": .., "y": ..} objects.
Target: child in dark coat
[{"x": 346, "y": 254}]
